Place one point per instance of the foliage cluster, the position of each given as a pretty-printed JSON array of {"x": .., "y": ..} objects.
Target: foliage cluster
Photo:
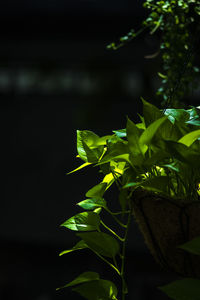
[
  {"x": 178, "y": 25},
  {"x": 161, "y": 154}
]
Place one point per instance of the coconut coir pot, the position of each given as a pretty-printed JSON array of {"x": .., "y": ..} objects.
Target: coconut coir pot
[{"x": 165, "y": 225}]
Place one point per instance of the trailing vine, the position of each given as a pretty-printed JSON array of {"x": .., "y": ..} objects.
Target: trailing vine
[{"x": 178, "y": 24}]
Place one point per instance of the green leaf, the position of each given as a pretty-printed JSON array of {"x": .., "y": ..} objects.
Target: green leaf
[
  {"x": 150, "y": 113},
  {"x": 172, "y": 166},
  {"x": 97, "y": 191},
  {"x": 131, "y": 184},
  {"x": 133, "y": 135},
  {"x": 101, "y": 242},
  {"x": 80, "y": 245},
  {"x": 148, "y": 134},
  {"x": 102, "y": 141},
  {"x": 189, "y": 138},
  {"x": 121, "y": 133},
  {"x": 85, "y": 221},
  {"x": 185, "y": 289},
  {"x": 115, "y": 149},
  {"x": 177, "y": 114},
  {"x": 92, "y": 203},
  {"x": 87, "y": 146},
  {"x": 80, "y": 167},
  {"x": 97, "y": 210},
  {"x": 183, "y": 153},
  {"x": 156, "y": 184},
  {"x": 82, "y": 278},
  {"x": 175, "y": 150},
  {"x": 137, "y": 160},
  {"x": 194, "y": 116},
  {"x": 192, "y": 246},
  {"x": 97, "y": 290}
]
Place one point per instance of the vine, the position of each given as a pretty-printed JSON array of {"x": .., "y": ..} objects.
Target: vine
[{"x": 178, "y": 23}]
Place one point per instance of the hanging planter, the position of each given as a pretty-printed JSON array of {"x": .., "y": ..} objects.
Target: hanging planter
[
  {"x": 166, "y": 224},
  {"x": 155, "y": 164}
]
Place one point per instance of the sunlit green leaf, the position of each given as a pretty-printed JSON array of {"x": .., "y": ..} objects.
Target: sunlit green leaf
[
  {"x": 172, "y": 166},
  {"x": 101, "y": 242},
  {"x": 189, "y": 138},
  {"x": 192, "y": 246},
  {"x": 87, "y": 146},
  {"x": 177, "y": 114},
  {"x": 133, "y": 135},
  {"x": 80, "y": 245},
  {"x": 131, "y": 184},
  {"x": 97, "y": 290},
  {"x": 92, "y": 203},
  {"x": 151, "y": 130},
  {"x": 80, "y": 167},
  {"x": 194, "y": 116},
  {"x": 97, "y": 210},
  {"x": 121, "y": 133},
  {"x": 82, "y": 278},
  {"x": 185, "y": 289},
  {"x": 85, "y": 221},
  {"x": 115, "y": 150},
  {"x": 97, "y": 191}
]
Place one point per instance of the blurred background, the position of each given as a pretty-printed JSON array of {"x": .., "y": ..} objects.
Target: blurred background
[{"x": 56, "y": 76}]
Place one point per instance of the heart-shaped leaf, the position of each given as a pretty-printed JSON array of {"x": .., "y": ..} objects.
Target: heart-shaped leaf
[
  {"x": 82, "y": 278},
  {"x": 97, "y": 191},
  {"x": 80, "y": 245},
  {"x": 101, "y": 243},
  {"x": 185, "y": 289},
  {"x": 92, "y": 203},
  {"x": 85, "y": 221},
  {"x": 96, "y": 290}
]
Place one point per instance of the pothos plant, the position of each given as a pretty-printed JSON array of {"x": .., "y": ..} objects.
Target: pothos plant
[{"x": 160, "y": 154}]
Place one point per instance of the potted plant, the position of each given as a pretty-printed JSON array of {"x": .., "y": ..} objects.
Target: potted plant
[{"x": 155, "y": 165}]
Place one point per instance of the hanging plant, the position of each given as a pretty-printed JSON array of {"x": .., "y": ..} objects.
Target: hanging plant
[
  {"x": 177, "y": 24},
  {"x": 156, "y": 167},
  {"x": 155, "y": 164}
]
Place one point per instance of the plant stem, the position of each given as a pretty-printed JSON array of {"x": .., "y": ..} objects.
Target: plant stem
[
  {"x": 119, "y": 212},
  {"x": 124, "y": 289},
  {"x": 113, "y": 232},
  {"x": 106, "y": 261},
  {"x": 116, "y": 219}
]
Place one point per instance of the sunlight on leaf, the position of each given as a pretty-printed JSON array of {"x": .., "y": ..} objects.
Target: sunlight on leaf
[
  {"x": 189, "y": 138},
  {"x": 97, "y": 190},
  {"x": 96, "y": 290},
  {"x": 82, "y": 278},
  {"x": 148, "y": 134},
  {"x": 80, "y": 245},
  {"x": 80, "y": 167},
  {"x": 85, "y": 221},
  {"x": 92, "y": 203}
]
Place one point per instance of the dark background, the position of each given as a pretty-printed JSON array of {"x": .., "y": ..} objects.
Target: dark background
[{"x": 56, "y": 76}]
